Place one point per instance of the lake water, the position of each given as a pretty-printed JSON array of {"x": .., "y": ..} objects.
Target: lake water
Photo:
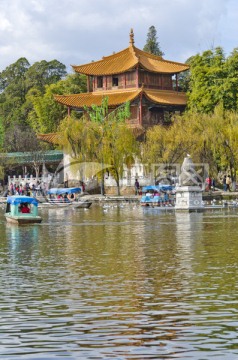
[{"x": 120, "y": 282}]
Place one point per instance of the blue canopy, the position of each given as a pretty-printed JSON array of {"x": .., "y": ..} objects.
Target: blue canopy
[
  {"x": 165, "y": 187},
  {"x": 161, "y": 187},
  {"x": 150, "y": 188},
  {"x": 60, "y": 191},
  {"x": 19, "y": 199}
]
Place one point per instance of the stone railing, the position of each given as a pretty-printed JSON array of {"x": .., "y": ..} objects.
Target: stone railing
[{"x": 28, "y": 179}]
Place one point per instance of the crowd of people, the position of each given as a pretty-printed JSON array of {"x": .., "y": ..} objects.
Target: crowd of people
[
  {"x": 27, "y": 189},
  {"x": 226, "y": 183}
]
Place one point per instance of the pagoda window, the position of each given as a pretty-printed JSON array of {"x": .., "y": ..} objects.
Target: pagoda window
[
  {"x": 99, "y": 82},
  {"x": 115, "y": 81}
]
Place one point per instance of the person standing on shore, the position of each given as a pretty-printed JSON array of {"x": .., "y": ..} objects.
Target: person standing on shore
[
  {"x": 213, "y": 184},
  {"x": 228, "y": 183},
  {"x": 137, "y": 187},
  {"x": 224, "y": 183}
]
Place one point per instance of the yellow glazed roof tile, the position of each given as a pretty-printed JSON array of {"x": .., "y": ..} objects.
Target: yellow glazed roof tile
[
  {"x": 95, "y": 98},
  {"x": 118, "y": 97},
  {"x": 127, "y": 59},
  {"x": 114, "y": 64},
  {"x": 52, "y": 138},
  {"x": 166, "y": 97}
]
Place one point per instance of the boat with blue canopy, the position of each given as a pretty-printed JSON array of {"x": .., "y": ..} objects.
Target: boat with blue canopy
[
  {"x": 158, "y": 195},
  {"x": 64, "y": 197},
  {"x": 22, "y": 209},
  {"x": 63, "y": 191}
]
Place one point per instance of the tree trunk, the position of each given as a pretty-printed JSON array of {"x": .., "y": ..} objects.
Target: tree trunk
[
  {"x": 117, "y": 178},
  {"x": 118, "y": 186}
]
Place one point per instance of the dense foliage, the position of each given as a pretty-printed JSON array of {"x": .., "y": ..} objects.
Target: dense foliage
[
  {"x": 213, "y": 80},
  {"x": 208, "y": 138},
  {"x": 27, "y": 104}
]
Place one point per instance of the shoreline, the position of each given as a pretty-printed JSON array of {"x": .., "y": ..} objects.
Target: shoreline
[
  {"x": 214, "y": 195},
  {"x": 98, "y": 198}
]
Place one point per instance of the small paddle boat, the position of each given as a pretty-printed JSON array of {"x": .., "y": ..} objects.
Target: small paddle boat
[
  {"x": 64, "y": 197},
  {"x": 22, "y": 210},
  {"x": 158, "y": 195}
]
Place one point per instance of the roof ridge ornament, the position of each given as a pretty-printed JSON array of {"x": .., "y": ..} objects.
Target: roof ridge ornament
[{"x": 132, "y": 37}]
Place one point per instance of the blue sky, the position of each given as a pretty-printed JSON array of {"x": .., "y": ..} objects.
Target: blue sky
[{"x": 79, "y": 31}]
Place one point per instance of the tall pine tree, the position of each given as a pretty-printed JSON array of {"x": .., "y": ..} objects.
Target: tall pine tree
[{"x": 152, "y": 45}]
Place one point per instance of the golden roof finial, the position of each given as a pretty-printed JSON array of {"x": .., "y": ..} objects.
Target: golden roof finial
[{"x": 132, "y": 37}]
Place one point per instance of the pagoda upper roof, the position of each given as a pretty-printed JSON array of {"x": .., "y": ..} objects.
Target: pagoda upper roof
[
  {"x": 129, "y": 59},
  {"x": 117, "y": 97}
]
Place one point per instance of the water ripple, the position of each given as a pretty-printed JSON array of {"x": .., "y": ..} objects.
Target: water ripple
[{"x": 125, "y": 284}]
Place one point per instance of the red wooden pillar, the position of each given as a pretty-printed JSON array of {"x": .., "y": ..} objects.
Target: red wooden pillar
[
  {"x": 176, "y": 82},
  {"x": 88, "y": 84},
  {"x": 140, "y": 109}
]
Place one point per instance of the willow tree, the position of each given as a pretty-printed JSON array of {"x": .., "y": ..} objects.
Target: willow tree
[
  {"x": 78, "y": 139},
  {"x": 188, "y": 133},
  {"x": 223, "y": 130},
  {"x": 119, "y": 148},
  {"x": 101, "y": 136},
  {"x": 166, "y": 146},
  {"x": 214, "y": 139},
  {"x": 116, "y": 141}
]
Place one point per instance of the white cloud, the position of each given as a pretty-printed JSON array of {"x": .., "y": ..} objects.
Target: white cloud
[{"x": 78, "y": 31}]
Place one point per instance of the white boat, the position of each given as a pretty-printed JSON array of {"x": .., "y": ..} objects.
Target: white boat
[
  {"x": 64, "y": 197},
  {"x": 50, "y": 204},
  {"x": 81, "y": 204},
  {"x": 22, "y": 210}
]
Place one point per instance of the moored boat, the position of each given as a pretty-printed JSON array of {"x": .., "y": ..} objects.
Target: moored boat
[
  {"x": 81, "y": 204},
  {"x": 64, "y": 197},
  {"x": 158, "y": 195},
  {"x": 22, "y": 210}
]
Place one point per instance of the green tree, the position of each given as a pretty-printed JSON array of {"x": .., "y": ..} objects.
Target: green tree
[
  {"x": 119, "y": 147},
  {"x": 13, "y": 78},
  {"x": 78, "y": 138},
  {"x": 20, "y": 139},
  {"x": 12, "y": 92},
  {"x": 166, "y": 145},
  {"x": 18, "y": 83},
  {"x": 2, "y": 135},
  {"x": 44, "y": 73},
  {"x": 230, "y": 83},
  {"x": 107, "y": 120},
  {"x": 212, "y": 81},
  {"x": 152, "y": 45},
  {"x": 209, "y": 138},
  {"x": 46, "y": 114},
  {"x": 101, "y": 136}
]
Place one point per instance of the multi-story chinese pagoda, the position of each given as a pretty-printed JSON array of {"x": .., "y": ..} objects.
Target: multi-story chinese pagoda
[{"x": 147, "y": 81}]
